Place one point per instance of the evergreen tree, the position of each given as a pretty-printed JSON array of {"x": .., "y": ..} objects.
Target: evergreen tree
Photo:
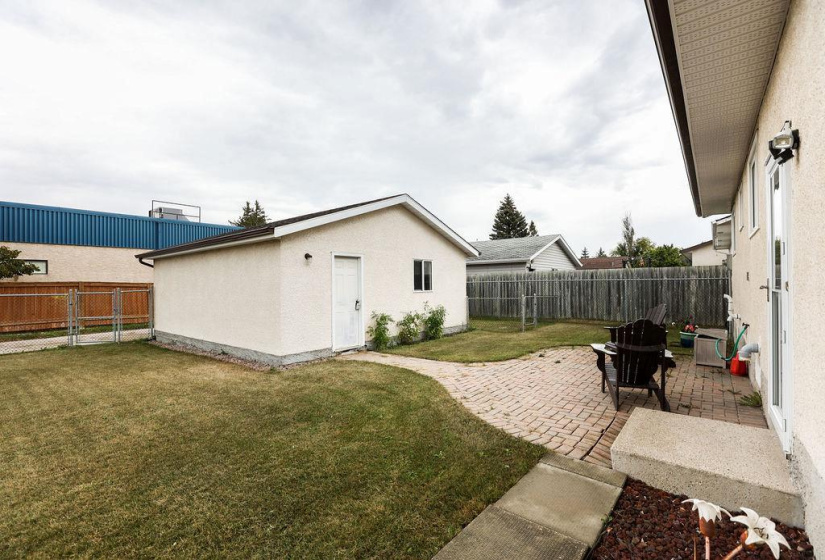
[
  {"x": 585, "y": 254},
  {"x": 532, "y": 231},
  {"x": 251, "y": 216},
  {"x": 601, "y": 253},
  {"x": 11, "y": 266},
  {"x": 509, "y": 222}
]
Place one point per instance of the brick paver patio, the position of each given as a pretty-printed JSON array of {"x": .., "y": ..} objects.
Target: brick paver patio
[{"x": 553, "y": 398}]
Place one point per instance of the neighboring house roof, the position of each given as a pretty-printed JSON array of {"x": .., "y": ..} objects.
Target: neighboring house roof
[
  {"x": 281, "y": 228},
  {"x": 597, "y": 263},
  {"x": 696, "y": 53},
  {"x": 519, "y": 249},
  {"x": 52, "y": 225},
  {"x": 698, "y": 246}
]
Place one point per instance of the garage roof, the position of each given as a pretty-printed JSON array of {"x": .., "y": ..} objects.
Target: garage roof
[{"x": 281, "y": 228}]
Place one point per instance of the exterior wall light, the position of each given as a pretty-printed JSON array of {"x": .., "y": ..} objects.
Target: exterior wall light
[
  {"x": 783, "y": 144},
  {"x": 308, "y": 257}
]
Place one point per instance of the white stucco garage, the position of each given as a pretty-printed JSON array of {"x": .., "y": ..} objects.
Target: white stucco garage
[{"x": 305, "y": 287}]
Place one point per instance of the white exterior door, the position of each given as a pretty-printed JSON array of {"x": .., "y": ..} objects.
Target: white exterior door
[
  {"x": 780, "y": 380},
  {"x": 347, "y": 324}
]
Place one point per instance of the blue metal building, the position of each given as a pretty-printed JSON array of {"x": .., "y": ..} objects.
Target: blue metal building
[{"x": 31, "y": 223}]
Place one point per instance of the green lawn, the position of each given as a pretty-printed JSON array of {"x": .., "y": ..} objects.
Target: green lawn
[
  {"x": 132, "y": 450},
  {"x": 501, "y": 339}
]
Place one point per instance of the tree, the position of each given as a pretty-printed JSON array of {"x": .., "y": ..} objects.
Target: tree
[
  {"x": 629, "y": 247},
  {"x": 532, "y": 231},
  {"x": 629, "y": 239},
  {"x": 251, "y": 216},
  {"x": 509, "y": 222},
  {"x": 11, "y": 266},
  {"x": 601, "y": 253},
  {"x": 585, "y": 254},
  {"x": 665, "y": 255}
]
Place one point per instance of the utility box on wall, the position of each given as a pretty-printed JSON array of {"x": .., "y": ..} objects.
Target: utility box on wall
[{"x": 704, "y": 349}]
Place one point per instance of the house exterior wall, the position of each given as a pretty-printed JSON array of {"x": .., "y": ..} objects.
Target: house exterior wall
[
  {"x": 794, "y": 93},
  {"x": 553, "y": 258},
  {"x": 388, "y": 241},
  {"x": 73, "y": 263},
  {"x": 707, "y": 256},
  {"x": 227, "y": 297},
  {"x": 477, "y": 269}
]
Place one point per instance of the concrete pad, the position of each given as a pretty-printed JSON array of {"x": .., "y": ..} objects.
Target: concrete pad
[
  {"x": 567, "y": 502},
  {"x": 497, "y": 533},
  {"x": 588, "y": 470},
  {"x": 727, "y": 464}
]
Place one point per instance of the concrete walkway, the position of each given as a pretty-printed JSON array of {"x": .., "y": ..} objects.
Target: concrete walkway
[
  {"x": 555, "y": 512},
  {"x": 553, "y": 397}
]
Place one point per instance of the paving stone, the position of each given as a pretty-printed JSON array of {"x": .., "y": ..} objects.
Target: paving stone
[
  {"x": 562, "y": 402},
  {"x": 499, "y": 534}
]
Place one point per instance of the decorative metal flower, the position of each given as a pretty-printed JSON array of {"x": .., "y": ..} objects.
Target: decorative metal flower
[
  {"x": 708, "y": 515},
  {"x": 761, "y": 530}
]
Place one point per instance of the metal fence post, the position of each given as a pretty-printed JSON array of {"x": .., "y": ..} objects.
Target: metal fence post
[
  {"x": 523, "y": 312},
  {"x": 535, "y": 311},
  {"x": 69, "y": 313},
  {"x": 119, "y": 314},
  {"x": 151, "y": 302}
]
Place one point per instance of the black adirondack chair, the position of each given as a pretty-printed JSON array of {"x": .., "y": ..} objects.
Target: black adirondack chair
[
  {"x": 655, "y": 315},
  {"x": 639, "y": 352}
]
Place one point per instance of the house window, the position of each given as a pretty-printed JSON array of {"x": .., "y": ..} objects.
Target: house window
[
  {"x": 753, "y": 218},
  {"x": 42, "y": 266},
  {"x": 422, "y": 276}
]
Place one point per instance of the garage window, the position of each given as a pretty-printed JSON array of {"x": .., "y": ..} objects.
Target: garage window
[{"x": 422, "y": 276}]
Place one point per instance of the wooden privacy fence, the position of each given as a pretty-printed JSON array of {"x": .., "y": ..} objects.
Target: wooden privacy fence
[
  {"x": 36, "y": 306},
  {"x": 605, "y": 295}
]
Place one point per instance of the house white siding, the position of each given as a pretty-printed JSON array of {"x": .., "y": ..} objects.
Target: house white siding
[
  {"x": 794, "y": 93},
  {"x": 553, "y": 258},
  {"x": 707, "y": 256}
]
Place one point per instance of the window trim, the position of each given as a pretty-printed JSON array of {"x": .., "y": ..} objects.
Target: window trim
[
  {"x": 423, "y": 276},
  {"x": 740, "y": 222},
  {"x": 34, "y": 261},
  {"x": 753, "y": 193}
]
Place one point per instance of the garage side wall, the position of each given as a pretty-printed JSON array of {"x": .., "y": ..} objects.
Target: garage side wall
[
  {"x": 389, "y": 241},
  {"x": 225, "y": 297}
]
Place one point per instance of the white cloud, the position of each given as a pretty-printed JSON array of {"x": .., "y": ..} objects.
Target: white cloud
[{"x": 314, "y": 104}]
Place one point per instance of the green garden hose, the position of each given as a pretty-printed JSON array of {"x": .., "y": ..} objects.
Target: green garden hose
[{"x": 735, "y": 344}]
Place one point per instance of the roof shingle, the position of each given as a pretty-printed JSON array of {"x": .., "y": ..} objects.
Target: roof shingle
[{"x": 510, "y": 249}]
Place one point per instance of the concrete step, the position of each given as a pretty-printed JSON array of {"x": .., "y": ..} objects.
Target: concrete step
[
  {"x": 556, "y": 512},
  {"x": 727, "y": 464},
  {"x": 497, "y": 533}
]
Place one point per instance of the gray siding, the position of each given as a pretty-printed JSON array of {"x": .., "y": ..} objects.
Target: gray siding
[
  {"x": 553, "y": 258},
  {"x": 475, "y": 270}
]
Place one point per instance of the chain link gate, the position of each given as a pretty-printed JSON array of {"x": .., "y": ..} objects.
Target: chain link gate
[{"x": 94, "y": 312}]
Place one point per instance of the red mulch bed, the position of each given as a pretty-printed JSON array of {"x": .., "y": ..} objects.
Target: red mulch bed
[{"x": 650, "y": 523}]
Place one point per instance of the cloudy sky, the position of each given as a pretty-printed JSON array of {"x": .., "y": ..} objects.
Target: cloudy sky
[{"x": 308, "y": 105}]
